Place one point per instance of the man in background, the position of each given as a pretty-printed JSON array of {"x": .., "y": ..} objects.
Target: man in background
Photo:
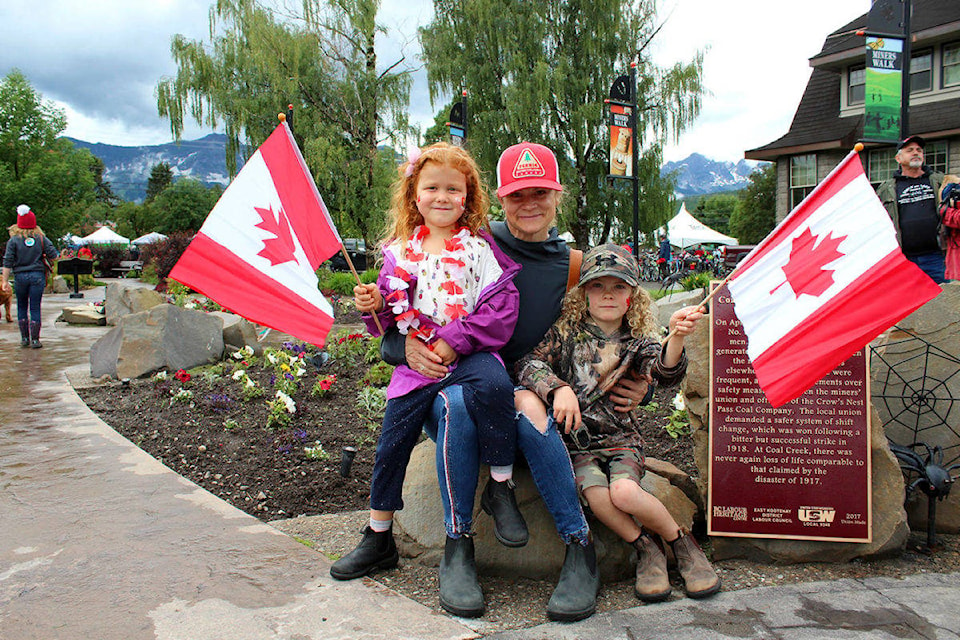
[{"x": 912, "y": 199}]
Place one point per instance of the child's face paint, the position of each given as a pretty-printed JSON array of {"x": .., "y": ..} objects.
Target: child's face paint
[
  {"x": 608, "y": 299},
  {"x": 441, "y": 195}
]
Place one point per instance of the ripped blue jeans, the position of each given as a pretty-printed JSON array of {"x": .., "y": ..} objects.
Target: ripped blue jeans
[{"x": 458, "y": 467}]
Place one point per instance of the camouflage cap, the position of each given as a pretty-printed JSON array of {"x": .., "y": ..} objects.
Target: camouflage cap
[{"x": 610, "y": 260}]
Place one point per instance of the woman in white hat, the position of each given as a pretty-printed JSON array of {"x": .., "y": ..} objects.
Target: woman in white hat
[{"x": 24, "y": 258}]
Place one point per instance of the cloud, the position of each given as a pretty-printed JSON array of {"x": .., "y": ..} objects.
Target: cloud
[{"x": 102, "y": 60}]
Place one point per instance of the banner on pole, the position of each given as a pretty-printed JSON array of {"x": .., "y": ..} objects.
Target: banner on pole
[
  {"x": 882, "y": 89},
  {"x": 621, "y": 141}
]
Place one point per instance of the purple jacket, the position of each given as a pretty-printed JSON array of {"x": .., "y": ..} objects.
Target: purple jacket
[{"x": 487, "y": 328}]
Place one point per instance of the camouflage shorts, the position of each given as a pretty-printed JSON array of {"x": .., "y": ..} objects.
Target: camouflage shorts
[{"x": 601, "y": 467}]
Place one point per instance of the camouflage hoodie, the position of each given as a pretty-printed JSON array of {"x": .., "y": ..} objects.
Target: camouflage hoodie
[{"x": 591, "y": 362}]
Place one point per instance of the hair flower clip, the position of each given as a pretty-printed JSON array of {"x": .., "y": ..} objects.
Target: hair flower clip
[{"x": 413, "y": 154}]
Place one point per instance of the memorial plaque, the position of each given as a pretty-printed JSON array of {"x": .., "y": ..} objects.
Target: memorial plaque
[{"x": 800, "y": 471}]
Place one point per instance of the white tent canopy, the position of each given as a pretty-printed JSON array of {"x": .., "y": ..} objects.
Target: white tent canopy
[
  {"x": 149, "y": 238},
  {"x": 684, "y": 230},
  {"x": 104, "y": 235}
]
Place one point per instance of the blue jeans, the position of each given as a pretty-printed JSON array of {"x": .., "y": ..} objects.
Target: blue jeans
[
  {"x": 30, "y": 286},
  {"x": 450, "y": 426},
  {"x": 932, "y": 264},
  {"x": 488, "y": 401}
]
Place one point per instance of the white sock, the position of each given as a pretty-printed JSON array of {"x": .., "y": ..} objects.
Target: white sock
[
  {"x": 501, "y": 473},
  {"x": 380, "y": 526}
]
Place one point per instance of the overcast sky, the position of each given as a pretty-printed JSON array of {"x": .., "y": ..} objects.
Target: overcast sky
[{"x": 101, "y": 60}]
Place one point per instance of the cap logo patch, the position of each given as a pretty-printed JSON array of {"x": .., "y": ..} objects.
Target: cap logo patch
[{"x": 528, "y": 166}]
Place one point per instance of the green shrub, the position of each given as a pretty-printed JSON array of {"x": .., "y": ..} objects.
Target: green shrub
[
  {"x": 369, "y": 276},
  {"x": 378, "y": 375},
  {"x": 696, "y": 281}
]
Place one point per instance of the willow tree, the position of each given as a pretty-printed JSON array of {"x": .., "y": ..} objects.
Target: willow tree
[
  {"x": 320, "y": 57},
  {"x": 544, "y": 76}
]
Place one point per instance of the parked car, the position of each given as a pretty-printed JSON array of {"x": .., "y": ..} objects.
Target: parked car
[
  {"x": 357, "y": 249},
  {"x": 734, "y": 253}
]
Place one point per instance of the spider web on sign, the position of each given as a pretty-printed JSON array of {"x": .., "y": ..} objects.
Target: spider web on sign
[{"x": 915, "y": 388}]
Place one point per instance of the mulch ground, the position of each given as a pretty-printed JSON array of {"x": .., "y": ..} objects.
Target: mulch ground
[{"x": 264, "y": 471}]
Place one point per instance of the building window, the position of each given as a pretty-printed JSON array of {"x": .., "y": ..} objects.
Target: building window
[
  {"x": 935, "y": 156},
  {"x": 856, "y": 89},
  {"x": 803, "y": 177},
  {"x": 951, "y": 65},
  {"x": 881, "y": 163},
  {"x": 921, "y": 71}
]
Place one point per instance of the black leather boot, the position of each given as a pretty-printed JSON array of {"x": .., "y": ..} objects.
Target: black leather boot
[
  {"x": 35, "y": 335},
  {"x": 499, "y": 501},
  {"x": 460, "y": 592},
  {"x": 575, "y": 597},
  {"x": 375, "y": 551},
  {"x": 24, "y": 333}
]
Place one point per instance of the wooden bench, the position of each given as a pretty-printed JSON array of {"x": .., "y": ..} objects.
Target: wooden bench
[{"x": 126, "y": 266}]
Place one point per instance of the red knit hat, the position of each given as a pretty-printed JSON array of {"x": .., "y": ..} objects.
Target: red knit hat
[
  {"x": 25, "y": 218},
  {"x": 527, "y": 165}
]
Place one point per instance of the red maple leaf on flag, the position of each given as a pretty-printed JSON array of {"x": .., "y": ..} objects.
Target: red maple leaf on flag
[
  {"x": 280, "y": 248},
  {"x": 804, "y": 270}
]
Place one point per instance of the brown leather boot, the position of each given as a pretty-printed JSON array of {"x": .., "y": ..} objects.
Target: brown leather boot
[
  {"x": 699, "y": 578},
  {"x": 653, "y": 583}
]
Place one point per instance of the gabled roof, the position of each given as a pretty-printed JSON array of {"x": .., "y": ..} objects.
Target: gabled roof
[{"x": 817, "y": 124}]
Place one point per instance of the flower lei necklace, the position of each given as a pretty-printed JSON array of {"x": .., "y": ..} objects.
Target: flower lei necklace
[{"x": 451, "y": 299}]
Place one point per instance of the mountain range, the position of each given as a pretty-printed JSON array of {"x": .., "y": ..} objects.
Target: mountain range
[{"x": 128, "y": 168}]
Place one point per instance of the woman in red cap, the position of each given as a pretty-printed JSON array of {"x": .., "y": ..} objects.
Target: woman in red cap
[
  {"x": 529, "y": 190},
  {"x": 24, "y": 258}
]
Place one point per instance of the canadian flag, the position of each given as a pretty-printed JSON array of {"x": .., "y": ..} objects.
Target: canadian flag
[
  {"x": 828, "y": 280},
  {"x": 257, "y": 252}
]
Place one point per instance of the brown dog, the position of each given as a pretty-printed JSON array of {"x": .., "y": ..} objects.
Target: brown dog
[{"x": 6, "y": 297}]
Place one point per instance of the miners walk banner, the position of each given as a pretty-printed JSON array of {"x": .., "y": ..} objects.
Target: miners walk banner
[{"x": 882, "y": 89}]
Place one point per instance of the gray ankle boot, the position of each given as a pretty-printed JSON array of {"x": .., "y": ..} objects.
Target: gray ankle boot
[
  {"x": 575, "y": 597},
  {"x": 460, "y": 592}
]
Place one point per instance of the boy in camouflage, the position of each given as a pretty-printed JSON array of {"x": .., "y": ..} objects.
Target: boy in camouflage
[{"x": 606, "y": 331}]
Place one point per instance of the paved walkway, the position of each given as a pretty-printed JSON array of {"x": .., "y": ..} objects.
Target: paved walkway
[{"x": 99, "y": 541}]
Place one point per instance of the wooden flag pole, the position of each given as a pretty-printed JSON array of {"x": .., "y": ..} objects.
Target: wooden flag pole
[{"x": 356, "y": 276}]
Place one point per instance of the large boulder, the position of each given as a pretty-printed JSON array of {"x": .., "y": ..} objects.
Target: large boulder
[
  {"x": 125, "y": 298},
  {"x": 421, "y": 533},
  {"x": 916, "y": 371},
  {"x": 670, "y": 303},
  {"x": 82, "y": 314},
  {"x": 889, "y": 524},
  {"x": 163, "y": 337},
  {"x": 238, "y": 332},
  {"x": 60, "y": 285}
]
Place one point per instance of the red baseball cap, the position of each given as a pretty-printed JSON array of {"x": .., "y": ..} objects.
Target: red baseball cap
[{"x": 527, "y": 165}]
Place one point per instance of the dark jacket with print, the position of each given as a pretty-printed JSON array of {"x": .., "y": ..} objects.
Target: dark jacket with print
[{"x": 591, "y": 363}]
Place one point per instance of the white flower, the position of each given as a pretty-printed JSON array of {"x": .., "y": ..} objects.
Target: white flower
[
  {"x": 238, "y": 355},
  {"x": 190, "y": 305},
  {"x": 678, "y": 402},
  {"x": 247, "y": 350},
  {"x": 272, "y": 358},
  {"x": 299, "y": 372},
  {"x": 239, "y": 374},
  {"x": 249, "y": 384},
  {"x": 294, "y": 360},
  {"x": 287, "y": 401},
  {"x": 160, "y": 375}
]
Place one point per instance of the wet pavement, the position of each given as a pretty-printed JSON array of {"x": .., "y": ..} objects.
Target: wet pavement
[{"x": 100, "y": 541}]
